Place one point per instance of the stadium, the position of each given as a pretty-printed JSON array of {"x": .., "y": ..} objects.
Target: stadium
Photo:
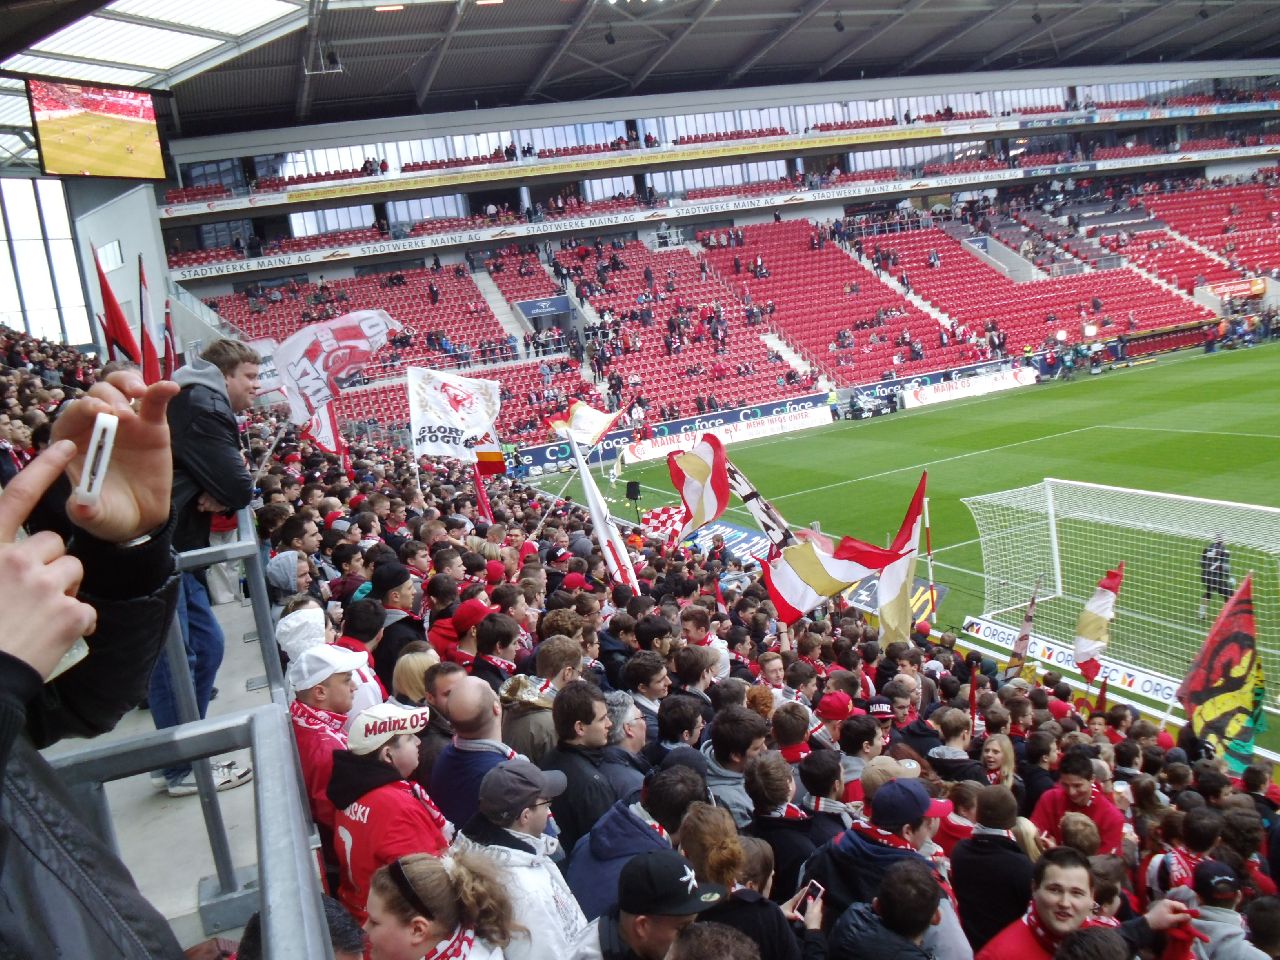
[{"x": 1028, "y": 248}]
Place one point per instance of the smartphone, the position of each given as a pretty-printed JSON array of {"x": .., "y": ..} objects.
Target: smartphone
[
  {"x": 814, "y": 891},
  {"x": 97, "y": 458}
]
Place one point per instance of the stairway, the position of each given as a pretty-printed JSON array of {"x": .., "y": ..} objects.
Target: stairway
[
  {"x": 1197, "y": 245},
  {"x": 512, "y": 322},
  {"x": 917, "y": 301},
  {"x": 795, "y": 359}
]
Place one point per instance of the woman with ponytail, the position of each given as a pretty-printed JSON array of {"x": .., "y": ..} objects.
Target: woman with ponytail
[{"x": 439, "y": 908}]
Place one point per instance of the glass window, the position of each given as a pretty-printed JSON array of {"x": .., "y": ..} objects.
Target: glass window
[{"x": 20, "y": 208}]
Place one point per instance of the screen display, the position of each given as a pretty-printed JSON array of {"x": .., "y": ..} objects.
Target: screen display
[{"x": 91, "y": 131}]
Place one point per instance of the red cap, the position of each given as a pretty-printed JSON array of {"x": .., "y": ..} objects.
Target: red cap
[
  {"x": 924, "y": 628},
  {"x": 495, "y": 572},
  {"x": 835, "y": 706},
  {"x": 574, "y": 581},
  {"x": 358, "y": 499},
  {"x": 469, "y": 614},
  {"x": 293, "y": 458}
]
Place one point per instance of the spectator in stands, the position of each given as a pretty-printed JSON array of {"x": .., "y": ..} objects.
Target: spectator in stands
[
  {"x": 345, "y": 935},
  {"x": 991, "y": 875},
  {"x": 476, "y": 715},
  {"x": 895, "y": 922},
  {"x": 737, "y": 736},
  {"x": 582, "y": 725},
  {"x": 527, "y": 702}
]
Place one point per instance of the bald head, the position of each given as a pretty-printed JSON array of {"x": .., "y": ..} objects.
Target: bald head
[{"x": 475, "y": 710}]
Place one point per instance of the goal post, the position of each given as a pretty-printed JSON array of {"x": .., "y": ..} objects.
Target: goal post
[{"x": 1067, "y": 534}]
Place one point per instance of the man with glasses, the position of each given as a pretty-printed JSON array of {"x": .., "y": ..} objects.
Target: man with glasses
[
  {"x": 509, "y": 826},
  {"x": 625, "y": 767}
]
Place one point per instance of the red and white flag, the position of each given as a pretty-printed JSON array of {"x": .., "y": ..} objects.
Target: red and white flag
[
  {"x": 614, "y": 548},
  {"x": 812, "y": 571},
  {"x": 314, "y": 362},
  {"x": 1093, "y": 627},
  {"x": 662, "y": 523},
  {"x": 701, "y": 478},
  {"x": 583, "y": 422},
  {"x": 898, "y": 580},
  {"x": 149, "y": 336},
  {"x": 172, "y": 359},
  {"x": 115, "y": 328},
  {"x": 448, "y": 414}
]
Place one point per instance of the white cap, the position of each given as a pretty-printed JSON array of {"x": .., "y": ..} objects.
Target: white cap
[
  {"x": 381, "y": 722},
  {"x": 317, "y": 664}
]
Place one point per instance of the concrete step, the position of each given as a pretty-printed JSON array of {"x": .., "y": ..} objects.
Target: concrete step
[
  {"x": 510, "y": 319},
  {"x": 1197, "y": 245}
]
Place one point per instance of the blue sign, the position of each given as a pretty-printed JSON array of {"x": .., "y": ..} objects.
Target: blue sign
[
  {"x": 546, "y": 307},
  {"x": 554, "y": 454}
]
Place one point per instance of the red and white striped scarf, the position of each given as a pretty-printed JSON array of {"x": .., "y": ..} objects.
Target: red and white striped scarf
[
  {"x": 788, "y": 811},
  {"x": 456, "y": 947},
  {"x": 310, "y": 718}
]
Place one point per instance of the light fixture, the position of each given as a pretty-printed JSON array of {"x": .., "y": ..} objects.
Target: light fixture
[
  {"x": 839, "y": 24},
  {"x": 609, "y": 38},
  {"x": 1090, "y": 330},
  {"x": 389, "y": 8}
]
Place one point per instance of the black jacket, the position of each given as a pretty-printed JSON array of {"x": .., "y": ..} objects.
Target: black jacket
[
  {"x": 764, "y": 923},
  {"x": 625, "y": 771},
  {"x": 1036, "y": 782},
  {"x": 613, "y": 656},
  {"x": 704, "y": 704},
  {"x": 860, "y": 933},
  {"x": 402, "y": 628},
  {"x": 436, "y": 736},
  {"x": 589, "y": 794},
  {"x": 791, "y": 845},
  {"x": 206, "y": 452},
  {"x": 486, "y": 671},
  {"x": 957, "y": 768},
  {"x": 991, "y": 877},
  {"x": 62, "y": 891},
  {"x": 354, "y": 775},
  {"x": 920, "y": 737}
]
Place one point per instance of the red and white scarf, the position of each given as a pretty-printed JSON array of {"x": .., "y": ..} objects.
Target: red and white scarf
[
  {"x": 506, "y": 666},
  {"x": 819, "y": 667},
  {"x": 845, "y": 811},
  {"x": 873, "y": 834},
  {"x": 1181, "y": 864},
  {"x": 309, "y": 718},
  {"x": 647, "y": 817},
  {"x": 1047, "y": 941},
  {"x": 788, "y": 811},
  {"x": 796, "y": 751},
  {"x": 439, "y": 819},
  {"x": 456, "y": 947}
]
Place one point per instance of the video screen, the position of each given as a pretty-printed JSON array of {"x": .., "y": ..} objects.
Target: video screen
[{"x": 90, "y": 131}]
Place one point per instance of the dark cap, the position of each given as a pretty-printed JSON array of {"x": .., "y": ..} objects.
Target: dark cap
[
  {"x": 513, "y": 786},
  {"x": 661, "y": 883},
  {"x": 900, "y": 802},
  {"x": 556, "y": 554},
  {"x": 387, "y": 577},
  {"x": 1214, "y": 881},
  {"x": 881, "y": 708}
]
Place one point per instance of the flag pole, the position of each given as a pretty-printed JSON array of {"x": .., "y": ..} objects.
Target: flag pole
[
  {"x": 546, "y": 513},
  {"x": 928, "y": 548},
  {"x": 266, "y": 460}
]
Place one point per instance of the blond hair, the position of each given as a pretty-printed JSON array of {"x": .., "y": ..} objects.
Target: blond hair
[
  {"x": 710, "y": 840},
  {"x": 462, "y": 888},
  {"x": 409, "y": 677}
]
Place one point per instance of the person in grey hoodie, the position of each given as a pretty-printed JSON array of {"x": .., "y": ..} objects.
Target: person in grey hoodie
[
  {"x": 1219, "y": 891},
  {"x": 951, "y": 761},
  {"x": 737, "y": 735}
]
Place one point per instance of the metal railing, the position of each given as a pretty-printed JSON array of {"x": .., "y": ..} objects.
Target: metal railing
[{"x": 286, "y": 888}]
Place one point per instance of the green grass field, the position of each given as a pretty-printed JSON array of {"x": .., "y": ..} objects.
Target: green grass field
[
  {"x": 97, "y": 144},
  {"x": 1191, "y": 423}
]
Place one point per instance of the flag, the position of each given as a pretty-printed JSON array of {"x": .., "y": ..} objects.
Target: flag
[
  {"x": 482, "y": 497},
  {"x": 490, "y": 460},
  {"x": 150, "y": 358},
  {"x": 322, "y": 430},
  {"x": 316, "y": 361},
  {"x": 699, "y": 476},
  {"x": 172, "y": 358},
  {"x": 662, "y": 523},
  {"x": 120, "y": 343},
  {"x": 1100, "y": 702},
  {"x": 583, "y": 422},
  {"x": 1224, "y": 691},
  {"x": 765, "y": 514},
  {"x": 1092, "y": 629},
  {"x": 1019, "y": 656},
  {"x": 897, "y": 581},
  {"x": 807, "y": 573},
  {"x": 611, "y": 543},
  {"x": 973, "y": 701},
  {"x": 450, "y": 415}
]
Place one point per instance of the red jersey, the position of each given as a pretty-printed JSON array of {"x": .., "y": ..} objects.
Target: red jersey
[
  {"x": 389, "y": 822},
  {"x": 318, "y": 734},
  {"x": 1047, "y": 816}
]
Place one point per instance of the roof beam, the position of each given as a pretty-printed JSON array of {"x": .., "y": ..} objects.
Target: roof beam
[
  {"x": 108, "y": 14},
  {"x": 951, "y": 36},
  {"x": 1192, "y": 21},
  {"x": 1018, "y": 42},
  {"x": 258, "y": 37},
  {"x": 617, "y": 58},
  {"x": 1263, "y": 44},
  {"x": 803, "y": 16},
  {"x": 603, "y": 68},
  {"x": 698, "y": 16},
  {"x": 1249, "y": 26},
  {"x": 310, "y": 54},
  {"x": 1085, "y": 42},
  {"x": 93, "y": 61},
  {"x": 422, "y": 85},
  {"x": 840, "y": 56},
  {"x": 544, "y": 73}
]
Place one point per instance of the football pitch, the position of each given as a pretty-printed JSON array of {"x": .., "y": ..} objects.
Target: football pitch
[
  {"x": 100, "y": 145},
  {"x": 1196, "y": 424}
]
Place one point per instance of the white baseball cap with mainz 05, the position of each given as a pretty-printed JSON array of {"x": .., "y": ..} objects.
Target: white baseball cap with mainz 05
[{"x": 380, "y": 723}]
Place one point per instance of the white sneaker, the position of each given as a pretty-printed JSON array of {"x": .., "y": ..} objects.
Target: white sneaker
[
  {"x": 158, "y": 781},
  {"x": 227, "y": 775}
]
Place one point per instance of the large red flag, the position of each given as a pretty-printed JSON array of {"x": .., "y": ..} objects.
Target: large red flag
[
  {"x": 119, "y": 336},
  {"x": 150, "y": 358}
]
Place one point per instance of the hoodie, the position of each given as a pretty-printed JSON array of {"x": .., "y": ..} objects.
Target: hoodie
[
  {"x": 861, "y": 933},
  {"x": 728, "y": 787},
  {"x": 953, "y": 763},
  {"x": 599, "y": 856},
  {"x": 206, "y": 452},
  {"x": 400, "y": 628},
  {"x": 282, "y": 579},
  {"x": 920, "y": 736},
  {"x": 1225, "y": 929},
  {"x": 526, "y": 716}
]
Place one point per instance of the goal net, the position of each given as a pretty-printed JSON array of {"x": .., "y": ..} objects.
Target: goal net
[{"x": 1068, "y": 534}]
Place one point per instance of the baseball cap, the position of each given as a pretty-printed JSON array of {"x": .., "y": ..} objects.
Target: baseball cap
[
  {"x": 662, "y": 883},
  {"x": 469, "y": 614},
  {"x": 880, "y": 707},
  {"x": 556, "y": 554},
  {"x": 513, "y": 786},
  {"x": 330, "y": 517},
  {"x": 375, "y": 726},
  {"x": 317, "y": 664},
  {"x": 574, "y": 581},
  {"x": 387, "y": 577},
  {"x": 900, "y": 802},
  {"x": 835, "y": 705},
  {"x": 923, "y": 628},
  {"x": 494, "y": 572},
  {"x": 1215, "y": 880},
  {"x": 880, "y": 770}
]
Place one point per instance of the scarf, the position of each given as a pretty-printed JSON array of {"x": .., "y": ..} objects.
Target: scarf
[
  {"x": 644, "y": 703},
  {"x": 1039, "y": 932},
  {"x": 456, "y": 947},
  {"x": 747, "y": 662},
  {"x": 995, "y": 777},
  {"x": 506, "y": 666},
  {"x": 873, "y": 834},
  {"x": 653, "y": 824},
  {"x": 1181, "y": 864},
  {"x": 309, "y": 718},
  {"x": 845, "y": 811},
  {"x": 788, "y": 811},
  {"x": 819, "y": 667},
  {"x": 437, "y": 818},
  {"x": 980, "y": 831},
  {"x": 796, "y": 751},
  {"x": 487, "y": 746}
]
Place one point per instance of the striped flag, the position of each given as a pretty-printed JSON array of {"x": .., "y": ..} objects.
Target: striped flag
[
  {"x": 700, "y": 477},
  {"x": 1093, "y": 627},
  {"x": 662, "y": 523},
  {"x": 583, "y": 422},
  {"x": 616, "y": 557},
  {"x": 150, "y": 356},
  {"x": 1020, "y": 645},
  {"x": 808, "y": 573},
  {"x": 489, "y": 457},
  {"x": 893, "y": 592}
]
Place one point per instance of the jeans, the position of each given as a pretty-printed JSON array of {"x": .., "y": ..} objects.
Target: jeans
[{"x": 205, "y": 644}]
